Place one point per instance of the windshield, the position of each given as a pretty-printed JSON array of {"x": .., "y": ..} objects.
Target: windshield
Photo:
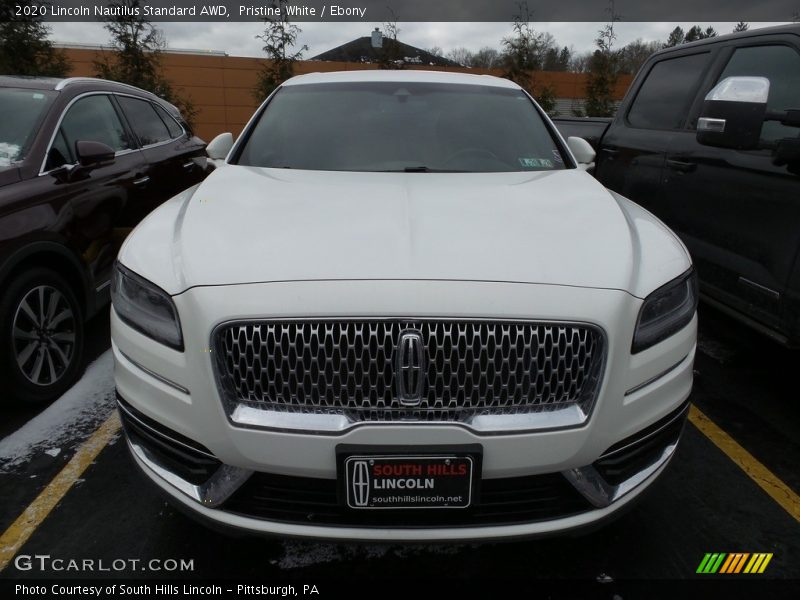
[
  {"x": 401, "y": 126},
  {"x": 21, "y": 111}
]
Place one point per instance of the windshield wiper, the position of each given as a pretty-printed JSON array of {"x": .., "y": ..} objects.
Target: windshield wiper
[{"x": 422, "y": 169}]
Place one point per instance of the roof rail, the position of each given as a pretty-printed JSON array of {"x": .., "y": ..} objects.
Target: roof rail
[{"x": 70, "y": 80}]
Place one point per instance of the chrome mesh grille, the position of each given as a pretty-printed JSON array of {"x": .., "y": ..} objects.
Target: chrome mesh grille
[{"x": 348, "y": 367}]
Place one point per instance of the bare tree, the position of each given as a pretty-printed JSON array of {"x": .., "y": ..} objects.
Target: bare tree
[
  {"x": 461, "y": 55},
  {"x": 280, "y": 38},
  {"x": 390, "y": 56},
  {"x": 579, "y": 63},
  {"x": 435, "y": 51},
  {"x": 486, "y": 58},
  {"x": 632, "y": 56}
]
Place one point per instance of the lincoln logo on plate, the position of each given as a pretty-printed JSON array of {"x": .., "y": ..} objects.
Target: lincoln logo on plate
[
  {"x": 360, "y": 483},
  {"x": 410, "y": 372}
]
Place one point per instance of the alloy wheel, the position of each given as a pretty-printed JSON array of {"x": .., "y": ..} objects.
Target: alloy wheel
[{"x": 43, "y": 335}]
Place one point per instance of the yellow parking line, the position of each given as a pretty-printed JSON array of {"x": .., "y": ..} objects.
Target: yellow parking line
[
  {"x": 21, "y": 529},
  {"x": 767, "y": 481}
]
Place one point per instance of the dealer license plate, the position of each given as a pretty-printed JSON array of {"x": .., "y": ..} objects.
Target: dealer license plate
[{"x": 403, "y": 482}]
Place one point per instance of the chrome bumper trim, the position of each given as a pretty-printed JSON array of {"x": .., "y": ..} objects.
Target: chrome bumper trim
[
  {"x": 332, "y": 424},
  {"x": 162, "y": 379},
  {"x": 600, "y": 493},
  {"x": 644, "y": 384},
  {"x": 219, "y": 487}
]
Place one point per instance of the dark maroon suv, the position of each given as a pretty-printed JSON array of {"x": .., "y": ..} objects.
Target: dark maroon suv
[{"x": 81, "y": 162}]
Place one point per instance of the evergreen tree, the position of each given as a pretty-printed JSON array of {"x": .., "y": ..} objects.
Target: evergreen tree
[
  {"x": 524, "y": 51},
  {"x": 135, "y": 56},
  {"x": 24, "y": 47},
  {"x": 279, "y": 37},
  {"x": 697, "y": 33},
  {"x": 741, "y": 26},
  {"x": 675, "y": 38},
  {"x": 603, "y": 72}
]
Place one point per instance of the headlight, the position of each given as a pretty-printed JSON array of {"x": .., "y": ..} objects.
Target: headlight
[
  {"x": 145, "y": 307},
  {"x": 666, "y": 311}
]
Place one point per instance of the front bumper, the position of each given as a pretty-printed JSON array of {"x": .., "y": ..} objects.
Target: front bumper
[
  {"x": 538, "y": 505},
  {"x": 174, "y": 396}
]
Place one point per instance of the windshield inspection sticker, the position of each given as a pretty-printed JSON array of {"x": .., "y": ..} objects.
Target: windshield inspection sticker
[{"x": 536, "y": 163}]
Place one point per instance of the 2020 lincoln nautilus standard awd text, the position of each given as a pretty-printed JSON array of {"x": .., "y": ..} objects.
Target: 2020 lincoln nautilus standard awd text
[{"x": 401, "y": 309}]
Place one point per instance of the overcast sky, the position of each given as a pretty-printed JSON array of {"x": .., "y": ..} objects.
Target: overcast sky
[{"x": 238, "y": 39}]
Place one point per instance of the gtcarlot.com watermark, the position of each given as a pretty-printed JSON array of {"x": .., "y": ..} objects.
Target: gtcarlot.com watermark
[{"x": 46, "y": 563}]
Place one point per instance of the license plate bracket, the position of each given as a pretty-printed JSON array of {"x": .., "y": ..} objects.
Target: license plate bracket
[{"x": 408, "y": 478}]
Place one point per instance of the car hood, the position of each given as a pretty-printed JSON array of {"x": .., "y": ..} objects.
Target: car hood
[{"x": 247, "y": 224}]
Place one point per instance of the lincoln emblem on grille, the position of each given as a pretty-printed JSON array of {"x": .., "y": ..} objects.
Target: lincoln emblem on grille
[{"x": 410, "y": 368}]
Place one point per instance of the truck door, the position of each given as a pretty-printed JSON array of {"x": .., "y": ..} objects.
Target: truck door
[
  {"x": 632, "y": 153},
  {"x": 737, "y": 212}
]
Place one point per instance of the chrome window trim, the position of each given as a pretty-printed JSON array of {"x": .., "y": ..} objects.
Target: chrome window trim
[
  {"x": 170, "y": 140},
  {"x": 570, "y": 417},
  {"x": 58, "y": 127},
  {"x": 107, "y": 93}
]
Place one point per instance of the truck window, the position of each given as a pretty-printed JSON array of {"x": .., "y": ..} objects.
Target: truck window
[
  {"x": 779, "y": 64},
  {"x": 664, "y": 97}
]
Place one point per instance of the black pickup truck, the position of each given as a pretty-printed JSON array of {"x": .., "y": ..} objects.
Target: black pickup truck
[{"x": 708, "y": 139}]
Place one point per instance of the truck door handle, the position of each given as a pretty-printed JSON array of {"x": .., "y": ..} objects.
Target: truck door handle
[
  {"x": 681, "y": 166},
  {"x": 188, "y": 165},
  {"x": 141, "y": 181}
]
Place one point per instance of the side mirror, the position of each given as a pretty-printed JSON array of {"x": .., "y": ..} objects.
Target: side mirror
[
  {"x": 733, "y": 113},
  {"x": 93, "y": 154},
  {"x": 219, "y": 147},
  {"x": 582, "y": 151}
]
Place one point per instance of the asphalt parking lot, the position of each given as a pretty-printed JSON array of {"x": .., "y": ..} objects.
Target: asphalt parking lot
[{"x": 732, "y": 487}]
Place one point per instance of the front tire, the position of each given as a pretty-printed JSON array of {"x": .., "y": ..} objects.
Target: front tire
[{"x": 41, "y": 336}]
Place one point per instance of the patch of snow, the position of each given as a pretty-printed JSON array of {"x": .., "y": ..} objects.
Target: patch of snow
[
  {"x": 53, "y": 452},
  {"x": 304, "y": 554},
  {"x": 73, "y": 416}
]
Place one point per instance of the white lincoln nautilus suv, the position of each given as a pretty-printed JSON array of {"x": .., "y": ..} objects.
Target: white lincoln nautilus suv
[{"x": 401, "y": 309}]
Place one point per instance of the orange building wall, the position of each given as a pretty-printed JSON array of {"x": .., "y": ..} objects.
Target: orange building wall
[{"x": 221, "y": 87}]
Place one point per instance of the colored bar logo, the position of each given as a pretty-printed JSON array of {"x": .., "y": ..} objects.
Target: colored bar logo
[{"x": 734, "y": 562}]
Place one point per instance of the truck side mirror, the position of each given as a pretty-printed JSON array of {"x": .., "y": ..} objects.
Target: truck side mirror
[{"x": 733, "y": 113}]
